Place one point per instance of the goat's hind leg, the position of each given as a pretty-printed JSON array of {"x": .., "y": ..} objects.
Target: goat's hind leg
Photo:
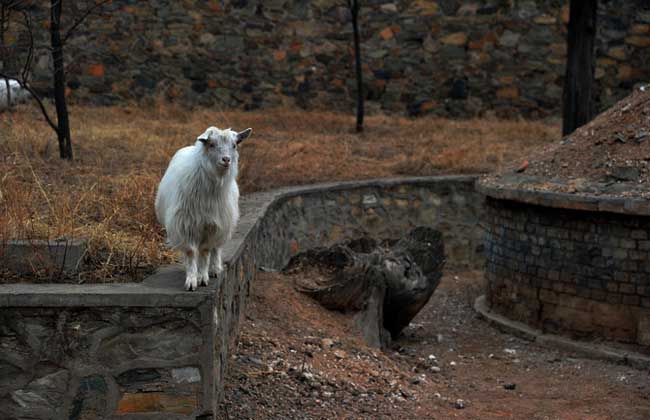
[
  {"x": 216, "y": 265},
  {"x": 203, "y": 263},
  {"x": 191, "y": 268}
]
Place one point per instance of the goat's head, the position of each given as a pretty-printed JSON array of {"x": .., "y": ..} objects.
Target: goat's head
[{"x": 220, "y": 148}]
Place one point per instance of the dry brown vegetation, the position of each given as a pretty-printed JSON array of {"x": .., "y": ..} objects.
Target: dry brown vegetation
[{"x": 106, "y": 194}]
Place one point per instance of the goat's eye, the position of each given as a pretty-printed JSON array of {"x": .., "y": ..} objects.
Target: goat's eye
[{"x": 234, "y": 145}]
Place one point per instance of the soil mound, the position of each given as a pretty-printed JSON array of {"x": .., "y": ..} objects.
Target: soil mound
[{"x": 609, "y": 156}]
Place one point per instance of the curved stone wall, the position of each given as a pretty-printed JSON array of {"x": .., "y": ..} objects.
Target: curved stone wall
[
  {"x": 569, "y": 267},
  {"x": 151, "y": 350}
]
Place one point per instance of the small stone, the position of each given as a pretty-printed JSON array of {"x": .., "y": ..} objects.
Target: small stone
[
  {"x": 459, "y": 404},
  {"x": 510, "y": 387},
  {"x": 638, "y": 41},
  {"x": 306, "y": 376},
  {"x": 435, "y": 369},
  {"x": 327, "y": 343},
  {"x": 388, "y": 8},
  {"x": 508, "y": 92},
  {"x": 457, "y": 39},
  {"x": 641, "y": 136},
  {"x": 340, "y": 354},
  {"x": 386, "y": 33},
  {"x": 625, "y": 173},
  {"x": 418, "y": 379},
  {"x": 509, "y": 39},
  {"x": 523, "y": 166}
]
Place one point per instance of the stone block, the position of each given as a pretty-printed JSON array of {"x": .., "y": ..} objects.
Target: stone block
[
  {"x": 156, "y": 402},
  {"x": 91, "y": 399},
  {"x": 643, "y": 329},
  {"x": 167, "y": 341}
]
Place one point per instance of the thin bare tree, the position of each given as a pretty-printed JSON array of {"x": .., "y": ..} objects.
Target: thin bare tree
[
  {"x": 577, "y": 98},
  {"x": 353, "y": 5},
  {"x": 58, "y": 38}
]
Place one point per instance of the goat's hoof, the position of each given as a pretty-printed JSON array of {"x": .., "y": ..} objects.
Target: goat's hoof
[
  {"x": 203, "y": 281},
  {"x": 216, "y": 271},
  {"x": 190, "y": 284}
]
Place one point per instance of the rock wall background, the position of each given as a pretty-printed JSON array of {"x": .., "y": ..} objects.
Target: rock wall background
[{"x": 448, "y": 57}]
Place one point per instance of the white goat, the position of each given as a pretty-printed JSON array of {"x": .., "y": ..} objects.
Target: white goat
[
  {"x": 11, "y": 93},
  {"x": 198, "y": 201}
]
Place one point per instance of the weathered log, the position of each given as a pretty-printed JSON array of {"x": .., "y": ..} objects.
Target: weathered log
[{"x": 386, "y": 283}]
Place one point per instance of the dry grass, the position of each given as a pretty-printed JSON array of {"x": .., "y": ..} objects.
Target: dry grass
[{"x": 106, "y": 193}]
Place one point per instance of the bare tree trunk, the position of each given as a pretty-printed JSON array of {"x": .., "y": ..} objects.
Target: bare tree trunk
[
  {"x": 354, "y": 10},
  {"x": 384, "y": 285},
  {"x": 63, "y": 123},
  {"x": 578, "y": 82},
  {"x": 4, "y": 25}
]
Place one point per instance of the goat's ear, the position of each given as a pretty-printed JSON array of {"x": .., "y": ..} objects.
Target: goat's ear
[
  {"x": 244, "y": 135},
  {"x": 203, "y": 138}
]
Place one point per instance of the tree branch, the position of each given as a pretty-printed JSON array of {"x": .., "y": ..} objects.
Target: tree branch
[
  {"x": 34, "y": 95},
  {"x": 83, "y": 17},
  {"x": 30, "y": 50}
]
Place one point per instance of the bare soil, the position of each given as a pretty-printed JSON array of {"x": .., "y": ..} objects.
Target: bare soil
[
  {"x": 296, "y": 360},
  {"x": 609, "y": 156}
]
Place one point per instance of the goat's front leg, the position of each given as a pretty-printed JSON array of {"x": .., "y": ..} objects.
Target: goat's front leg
[
  {"x": 216, "y": 265},
  {"x": 191, "y": 268},
  {"x": 203, "y": 263}
]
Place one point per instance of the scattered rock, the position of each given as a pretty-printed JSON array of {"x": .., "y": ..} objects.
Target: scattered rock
[
  {"x": 619, "y": 137},
  {"x": 340, "y": 354},
  {"x": 510, "y": 387},
  {"x": 641, "y": 136},
  {"x": 327, "y": 343},
  {"x": 405, "y": 393},
  {"x": 418, "y": 379},
  {"x": 307, "y": 377},
  {"x": 459, "y": 404},
  {"x": 522, "y": 167},
  {"x": 625, "y": 173}
]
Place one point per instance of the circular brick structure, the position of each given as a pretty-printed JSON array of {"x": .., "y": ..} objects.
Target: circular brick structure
[{"x": 569, "y": 264}]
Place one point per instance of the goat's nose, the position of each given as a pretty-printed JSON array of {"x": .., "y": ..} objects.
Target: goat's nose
[{"x": 225, "y": 159}]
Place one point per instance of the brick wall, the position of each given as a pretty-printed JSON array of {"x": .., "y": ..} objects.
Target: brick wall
[{"x": 569, "y": 271}]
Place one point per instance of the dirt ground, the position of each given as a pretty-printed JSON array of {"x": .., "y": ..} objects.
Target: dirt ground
[
  {"x": 296, "y": 360},
  {"x": 608, "y": 156}
]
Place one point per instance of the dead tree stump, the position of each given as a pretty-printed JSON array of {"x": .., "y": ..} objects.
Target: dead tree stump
[{"x": 385, "y": 283}]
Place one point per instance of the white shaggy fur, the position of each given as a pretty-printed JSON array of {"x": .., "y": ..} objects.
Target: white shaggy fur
[
  {"x": 15, "y": 94},
  {"x": 198, "y": 201}
]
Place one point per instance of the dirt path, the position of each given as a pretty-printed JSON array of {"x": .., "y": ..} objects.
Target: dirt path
[{"x": 298, "y": 361}]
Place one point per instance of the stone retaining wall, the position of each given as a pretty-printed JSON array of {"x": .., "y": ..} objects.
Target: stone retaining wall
[
  {"x": 151, "y": 350},
  {"x": 577, "y": 272},
  {"x": 452, "y": 58}
]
